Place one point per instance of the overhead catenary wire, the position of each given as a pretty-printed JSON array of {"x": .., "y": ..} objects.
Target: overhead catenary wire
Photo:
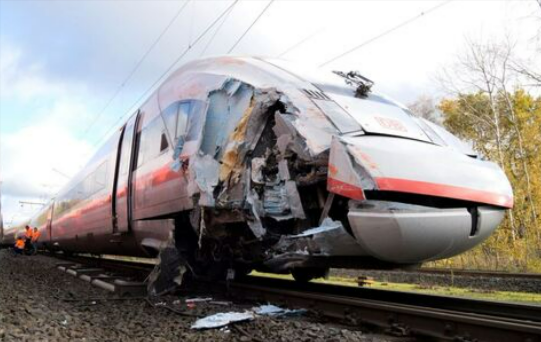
[
  {"x": 217, "y": 30},
  {"x": 392, "y": 29},
  {"x": 299, "y": 43},
  {"x": 250, "y": 27},
  {"x": 136, "y": 67},
  {"x": 171, "y": 66}
]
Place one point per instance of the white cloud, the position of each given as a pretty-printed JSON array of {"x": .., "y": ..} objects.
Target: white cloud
[
  {"x": 47, "y": 141},
  {"x": 23, "y": 81},
  {"x": 30, "y": 154}
]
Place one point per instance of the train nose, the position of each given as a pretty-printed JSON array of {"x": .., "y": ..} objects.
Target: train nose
[
  {"x": 414, "y": 201},
  {"x": 403, "y": 233}
]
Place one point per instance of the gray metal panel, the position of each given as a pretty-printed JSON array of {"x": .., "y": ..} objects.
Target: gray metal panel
[
  {"x": 417, "y": 234},
  {"x": 410, "y": 237}
]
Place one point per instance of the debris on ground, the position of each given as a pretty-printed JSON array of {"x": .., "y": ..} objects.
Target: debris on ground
[
  {"x": 222, "y": 319},
  {"x": 273, "y": 310},
  {"x": 198, "y": 300}
]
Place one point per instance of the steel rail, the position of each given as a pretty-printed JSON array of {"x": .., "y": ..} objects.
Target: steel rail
[
  {"x": 481, "y": 307},
  {"x": 446, "y": 318},
  {"x": 476, "y": 273}
]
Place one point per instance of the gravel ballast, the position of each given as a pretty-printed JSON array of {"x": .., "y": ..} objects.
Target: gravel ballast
[{"x": 40, "y": 303}]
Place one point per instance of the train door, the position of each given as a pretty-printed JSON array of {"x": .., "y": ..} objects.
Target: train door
[{"x": 122, "y": 191}]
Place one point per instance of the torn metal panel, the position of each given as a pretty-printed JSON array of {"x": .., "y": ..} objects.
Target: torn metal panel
[
  {"x": 257, "y": 211},
  {"x": 168, "y": 273},
  {"x": 204, "y": 171},
  {"x": 346, "y": 178},
  {"x": 231, "y": 86},
  {"x": 289, "y": 138},
  {"x": 294, "y": 200},
  {"x": 230, "y": 158},
  {"x": 329, "y": 239},
  {"x": 257, "y": 165},
  {"x": 336, "y": 241},
  {"x": 283, "y": 170},
  {"x": 216, "y": 120},
  {"x": 326, "y": 226},
  {"x": 177, "y": 163},
  {"x": 276, "y": 203}
]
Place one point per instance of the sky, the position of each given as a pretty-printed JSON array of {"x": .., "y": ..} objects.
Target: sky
[{"x": 63, "y": 64}]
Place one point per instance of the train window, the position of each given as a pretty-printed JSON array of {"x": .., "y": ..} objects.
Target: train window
[
  {"x": 85, "y": 188},
  {"x": 182, "y": 119},
  {"x": 176, "y": 117},
  {"x": 164, "y": 144},
  {"x": 100, "y": 177},
  {"x": 150, "y": 141},
  {"x": 170, "y": 117}
]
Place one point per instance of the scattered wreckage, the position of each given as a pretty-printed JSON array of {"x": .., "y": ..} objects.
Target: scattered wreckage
[{"x": 247, "y": 163}]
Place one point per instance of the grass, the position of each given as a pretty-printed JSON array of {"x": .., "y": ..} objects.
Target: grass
[{"x": 502, "y": 296}]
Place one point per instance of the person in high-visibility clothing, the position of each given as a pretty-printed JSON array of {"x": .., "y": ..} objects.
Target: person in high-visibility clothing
[
  {"x": 19, "y": 245},
  {"x": 28, "y": 237},
  {"x": 35, "y": 237}
]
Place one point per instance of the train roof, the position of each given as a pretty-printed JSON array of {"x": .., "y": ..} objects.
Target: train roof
[
  {"x": 265, "y": 72},
  {"x": 276, "y": 73}
]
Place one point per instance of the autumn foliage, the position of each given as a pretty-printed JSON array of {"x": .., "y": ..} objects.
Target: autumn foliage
[{"x": 504, "y": 127}]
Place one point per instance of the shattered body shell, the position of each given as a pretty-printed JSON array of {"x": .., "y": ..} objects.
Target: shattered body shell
[{"x": 264, "y": 163}]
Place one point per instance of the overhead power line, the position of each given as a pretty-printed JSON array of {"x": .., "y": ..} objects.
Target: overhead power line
[
  {"x": 136, "y": 67},
  {"x": 178, "y": 59},
  {"x": 409, "y": 21},
  {"x": 218, "y": 30},
  {"x": 251, "y": 25},
  {"x": 299, "y": 43}
]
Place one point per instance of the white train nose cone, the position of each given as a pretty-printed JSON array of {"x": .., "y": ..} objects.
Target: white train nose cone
[
  {"x": 465, "y": 198},
  {"x": 414, "y": 234}
]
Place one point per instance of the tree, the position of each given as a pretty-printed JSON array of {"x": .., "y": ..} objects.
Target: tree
[
  {"x": 487, "y": 105},
  {"x": 425, "y": 107}
]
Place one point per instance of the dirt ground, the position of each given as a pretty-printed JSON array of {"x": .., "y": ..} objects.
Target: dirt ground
[{"x": 39, "y": 303}]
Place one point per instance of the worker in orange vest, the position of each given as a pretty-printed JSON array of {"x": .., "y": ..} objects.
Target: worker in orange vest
[
  {"x": 28, "y": 237},
  {"x": 35, "y": 237},
  {"x": 19, "y": 245}
]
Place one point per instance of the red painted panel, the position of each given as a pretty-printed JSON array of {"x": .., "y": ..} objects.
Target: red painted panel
[
  {"x": 345, "y": 189},
  {"x": 442, "y": 190},
  {"x": 422, "y": 188}
]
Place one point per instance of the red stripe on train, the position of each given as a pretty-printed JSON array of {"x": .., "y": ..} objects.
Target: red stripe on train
[
  {"x": 345, "y": 189},
  {"x": 442, "y": 190},
  {"x": 422, "y": 188}
]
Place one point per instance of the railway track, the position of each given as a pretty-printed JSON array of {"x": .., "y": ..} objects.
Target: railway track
[
  {"x": 446, "y": 318},
  {"x": 399, "y": 313},
  {"x": 478, "y": 273}
]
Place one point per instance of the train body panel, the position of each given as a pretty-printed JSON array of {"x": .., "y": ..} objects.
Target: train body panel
[{"x": 253, "y": 161}]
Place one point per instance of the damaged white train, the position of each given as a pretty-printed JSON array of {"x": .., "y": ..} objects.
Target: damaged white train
[{"x": 247, "y": 163}]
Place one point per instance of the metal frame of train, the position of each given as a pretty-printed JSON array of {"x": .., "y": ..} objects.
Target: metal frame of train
[{"x": 255, "y": 163}]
